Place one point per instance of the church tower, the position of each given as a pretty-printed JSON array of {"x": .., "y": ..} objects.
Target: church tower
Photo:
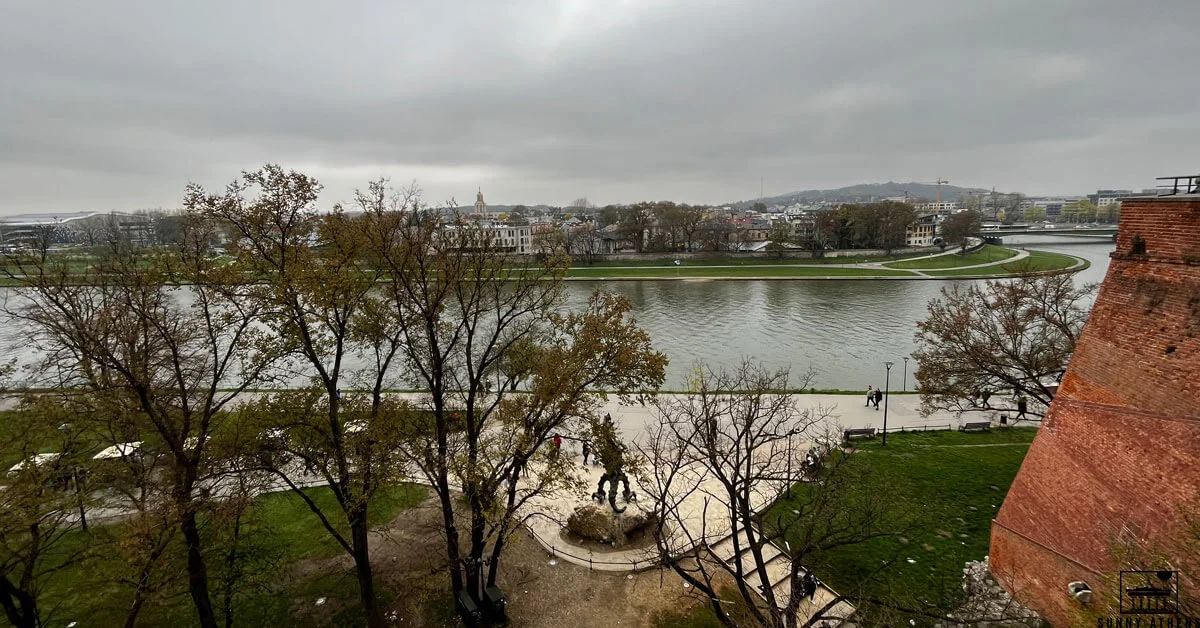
[{"x": 480, "y": 206}]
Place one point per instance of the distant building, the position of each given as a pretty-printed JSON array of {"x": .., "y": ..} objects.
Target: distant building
[
  {"x": 88, "y": 228},
  {"x": 1053, "y": 206},
  {"x": 923, "y": 232},
  {"x": 1107, "y": 197},
  {"x": 507, "y": 238},
  {"x": 943, "y": 208}
]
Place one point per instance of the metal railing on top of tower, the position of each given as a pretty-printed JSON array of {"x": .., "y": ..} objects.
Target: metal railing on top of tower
[{"x": 1184, "y": 184}]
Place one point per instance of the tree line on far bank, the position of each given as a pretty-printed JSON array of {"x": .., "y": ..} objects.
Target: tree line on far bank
[{"x": 667, "y": 227}]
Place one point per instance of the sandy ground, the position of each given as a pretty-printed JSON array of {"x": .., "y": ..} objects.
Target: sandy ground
[{"x": 409, "y": 559}]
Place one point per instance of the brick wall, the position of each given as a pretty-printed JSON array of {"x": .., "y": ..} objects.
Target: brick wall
[
  {"x": 1167, "y": 224},
  {"x": 1119, "y": 452}
]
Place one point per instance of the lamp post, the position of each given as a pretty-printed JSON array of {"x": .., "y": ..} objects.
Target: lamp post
[
  {"x": 886, "y": 389},
  {"x": 904, "y": 384}
]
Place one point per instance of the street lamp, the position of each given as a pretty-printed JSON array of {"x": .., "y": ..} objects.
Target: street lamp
[
  {"x": 886, "y": 389},
  {"x": 904, "y": 385}
]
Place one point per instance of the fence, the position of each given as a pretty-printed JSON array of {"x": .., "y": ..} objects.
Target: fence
[
  {"x": 592, "y": 563},
  {"x": 920, "y": 428}
]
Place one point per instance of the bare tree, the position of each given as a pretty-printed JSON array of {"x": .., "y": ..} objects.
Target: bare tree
[
  {"x": 476, "y": 330},
  {"x": 721, "y": 457},
  {"x": 174, "y": 357},
  {"x": 1011, "y": 336},
  {"x": 318, "y": 284}
]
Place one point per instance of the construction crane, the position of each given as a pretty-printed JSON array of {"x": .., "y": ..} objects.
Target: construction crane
[{"x": 939, "y": 183}]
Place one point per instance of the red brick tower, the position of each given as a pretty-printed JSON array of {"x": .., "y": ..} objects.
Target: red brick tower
[{"x": 1119, "y": 452}]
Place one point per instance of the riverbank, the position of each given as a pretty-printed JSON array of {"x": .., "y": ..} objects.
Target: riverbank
[
  {"x": 981, "y": 261},
  {"x": 989, "y": 261}
]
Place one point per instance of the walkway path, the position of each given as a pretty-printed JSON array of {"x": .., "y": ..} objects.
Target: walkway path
[{"x": 1021, "y": 254}]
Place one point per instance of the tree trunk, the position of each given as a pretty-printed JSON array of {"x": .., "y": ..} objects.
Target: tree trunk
[
  {"x": 139, "y": 599},
  {"x": 475, "y": 564},
  {"x": 231, "y": 570},
  {"x": 444, "y": 496},
  {"x": 197, "y": 572},
  {"x": 19, "y": 606},
  {"x": 362, "y": 568},
  {"x": 139, "y": 595},
  {"x": 494, "y": 567},
  {"x": 456, "y": 575}
]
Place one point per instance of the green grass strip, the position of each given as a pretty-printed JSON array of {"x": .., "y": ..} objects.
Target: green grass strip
[
  {"x": 1038, "y": 261},
  {"x": 985, "y": 255}
]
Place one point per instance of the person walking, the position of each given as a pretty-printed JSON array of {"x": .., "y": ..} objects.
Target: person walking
[
  {"x": 878, "y": 398},
  {"x": 870, "y": 394},
  {"x": 809, "y": 586},
  {"x": 1022, "y": 406},
  {"x": 587, "y": 449},
  {"x": 984, "y": 396},
  {"x": 557, "y": 447}
]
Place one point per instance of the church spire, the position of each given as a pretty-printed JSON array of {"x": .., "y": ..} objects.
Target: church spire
[{"x": 480, "y": 206}]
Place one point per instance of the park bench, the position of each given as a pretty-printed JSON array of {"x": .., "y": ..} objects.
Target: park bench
[
  {"x": 977, "y": 426},
  {"x": 868, "y": 432}
]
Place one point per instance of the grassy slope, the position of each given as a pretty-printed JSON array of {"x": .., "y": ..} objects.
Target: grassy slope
[
  {"x": 1038, "y": 261},
  {"x": 86, "y": 593},
  {"x": 986, "y": 254},
  {"x": 954, "y": 491}
]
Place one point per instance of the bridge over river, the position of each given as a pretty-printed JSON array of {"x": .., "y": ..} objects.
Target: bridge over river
[{"x": 1096, "y": 232}]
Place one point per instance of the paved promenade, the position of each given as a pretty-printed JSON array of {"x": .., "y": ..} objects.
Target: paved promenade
[{"x": 847, "y": 412}]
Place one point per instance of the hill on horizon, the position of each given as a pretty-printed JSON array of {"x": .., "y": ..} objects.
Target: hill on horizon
[{"x": 866, "y": 193}]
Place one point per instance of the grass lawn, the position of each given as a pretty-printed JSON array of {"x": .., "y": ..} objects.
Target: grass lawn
[
  {"x": 952, "y": 484},
  {"x": 87, "y": 594},
  {"x": 1038, "y": 261},
  {"x": 984, "y": 255},
  {"x": 300, "y": 535},
  {"x": 667, "y": 272}
]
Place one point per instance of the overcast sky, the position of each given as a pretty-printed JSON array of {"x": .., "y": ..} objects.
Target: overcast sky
[{"x": 117, "y": 105}]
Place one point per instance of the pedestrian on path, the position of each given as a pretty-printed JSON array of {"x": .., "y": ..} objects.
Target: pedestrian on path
[
  {"x": 557, "y": 447},
  {"x": 878, "y": 398},
  {"x": 984, "y": 396},
  {"x": 1022, "y": 405},
  {"x": 809, "y": 586},
  {"x": 870, "y": 394},
  {"x": 587, "y": 449}
]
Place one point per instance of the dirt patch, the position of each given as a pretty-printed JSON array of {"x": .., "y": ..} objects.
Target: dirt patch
[{"x": 409, "y": 557}]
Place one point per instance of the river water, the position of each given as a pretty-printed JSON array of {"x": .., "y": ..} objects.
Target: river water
[{"x": 843, "y": 329}]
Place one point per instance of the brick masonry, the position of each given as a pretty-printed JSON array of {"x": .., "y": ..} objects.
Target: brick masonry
[{"x": 1119, "y": 452}]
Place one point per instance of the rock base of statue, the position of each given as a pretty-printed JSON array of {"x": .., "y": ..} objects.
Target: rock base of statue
[{"x": 599, "y": 524}]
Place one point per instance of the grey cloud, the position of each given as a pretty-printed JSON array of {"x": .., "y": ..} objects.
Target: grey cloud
[{"x": 120, "y": 105}]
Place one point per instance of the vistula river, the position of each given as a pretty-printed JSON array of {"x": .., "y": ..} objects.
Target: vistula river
[{"x": 844, "y": 329}]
